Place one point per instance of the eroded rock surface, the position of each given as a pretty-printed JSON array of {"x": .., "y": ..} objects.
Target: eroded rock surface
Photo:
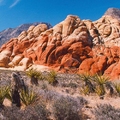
[{"x": 73, "y": 45}]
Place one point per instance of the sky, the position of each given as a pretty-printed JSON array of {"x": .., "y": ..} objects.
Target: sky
[{"x": 16, "y": 12}]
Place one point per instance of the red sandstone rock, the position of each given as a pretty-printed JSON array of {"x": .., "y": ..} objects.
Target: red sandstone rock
[{"x": 73, "y": 45}]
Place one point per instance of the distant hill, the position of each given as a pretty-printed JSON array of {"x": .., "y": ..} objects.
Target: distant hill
[
  {"x": 114, "y": 12},
  {"x": 9, "y": 33}
]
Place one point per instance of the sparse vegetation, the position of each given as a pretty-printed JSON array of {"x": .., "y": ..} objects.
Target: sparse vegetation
[
  {"x": 66, "y": 108},
  {"x": 28, "y": 97},
  {"x": 86, "y": 78},
  {"x": 34, "y": 75},
  {"x": 3, "y": 93},
  {"x": 117, "y": 88},
  {"x": 51, "y": 77},
  {"x": 46, "y": 102},
  {"x": 106, "y": 112}
]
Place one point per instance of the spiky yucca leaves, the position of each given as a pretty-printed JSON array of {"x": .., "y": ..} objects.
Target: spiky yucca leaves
[
  {"x": 3, "y": 92},
  {"x": 86, "y": 78},
  {"x": 51, "y": 77},
  {"x": 100, "y": 91},
  {"x": 85, "y": 90},
  {"x": 100, "y": 79},
  {"x": 28, "y": 97},
  {"x": 117, "y": 88},
  {"x": 101, "y": 82},
  {"x": 34, "y": 75}
]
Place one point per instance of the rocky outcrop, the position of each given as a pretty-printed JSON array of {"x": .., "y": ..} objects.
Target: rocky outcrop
[
  {"x": 114, "y": 12},
  {"x": 9, "y": 33},
  {"x": 73, "y": 45},
  {"x": 109, "y": 31}
]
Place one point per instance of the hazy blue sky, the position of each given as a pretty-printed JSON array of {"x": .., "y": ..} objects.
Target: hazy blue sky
[{"x": 16, "y": 12}]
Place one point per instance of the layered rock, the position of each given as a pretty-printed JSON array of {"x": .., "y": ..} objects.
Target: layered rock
[
  {"x": 73, "y": 45},
  {"x": 109, "y": 31}
]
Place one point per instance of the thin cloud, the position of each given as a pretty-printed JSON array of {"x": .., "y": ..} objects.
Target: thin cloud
[{"x": 14, "y": 4}]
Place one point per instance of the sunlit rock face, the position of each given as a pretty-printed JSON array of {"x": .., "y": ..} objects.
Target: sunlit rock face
[{"x": 73, "y": 45}]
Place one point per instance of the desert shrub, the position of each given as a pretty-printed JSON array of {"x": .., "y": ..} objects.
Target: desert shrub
[
  {"x": 34, "y": 75},
  {"x": 51, "y": 77},
  {"x": 67, "y": 108},
  {"x": 36, "y": 112},
  {"x": 28, "y": 97},
  {"x": 106, "y": 112}
]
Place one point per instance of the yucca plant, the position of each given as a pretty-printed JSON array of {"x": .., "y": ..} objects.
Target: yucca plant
[
  {"x": 117, "y": 88},
  {"x": 3, "y": 92},
  {"x": 85, "y": 90},
  {"x": 86, "y": 78},
  {"x": 34, "y": 75},
  {"x": 51, "y": 77},
  {"x": 101, "y": 81},
  {"x": 100, "y": 91},
  {"x": 28, "y": 97}
]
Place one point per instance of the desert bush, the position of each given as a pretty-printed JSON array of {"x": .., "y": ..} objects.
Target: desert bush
[
  {"x": 67, "y": 108},
  {"x": 34, "y": 112},
  {"x": 28, "y": 97},
  {"x": 34, "y": 75},
  {"x": 106, "y": 112},
  {"x": 51, "y": 77}
]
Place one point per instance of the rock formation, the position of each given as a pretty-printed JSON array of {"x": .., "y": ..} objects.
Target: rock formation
[
  {"x": 9, "y": 33},
  {"x": 73, "y": 45}
]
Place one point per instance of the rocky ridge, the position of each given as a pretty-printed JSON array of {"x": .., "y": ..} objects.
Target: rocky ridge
[
  {"x": 9, "y": 33},
  {"x": 73, "y": 45}
]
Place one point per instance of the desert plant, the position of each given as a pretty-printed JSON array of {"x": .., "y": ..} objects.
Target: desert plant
[
  {"x": 85, "y": 90},
  {"x": 34, "y": 75},
  {"x": 86, "y": 78},
  {"x": 32, "y": 112},
  {"x": 100, "y": 91},
  {"x": 117, "y": 88},
  {"x": 51, "y": 77},
  {"x": 106, "y": 112},
  {"x": 101, "y": 81},
  {"x": 28, "y": 97},
  {"x": 3, "y": 92},
  {"x": 67, "y": 108}
]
